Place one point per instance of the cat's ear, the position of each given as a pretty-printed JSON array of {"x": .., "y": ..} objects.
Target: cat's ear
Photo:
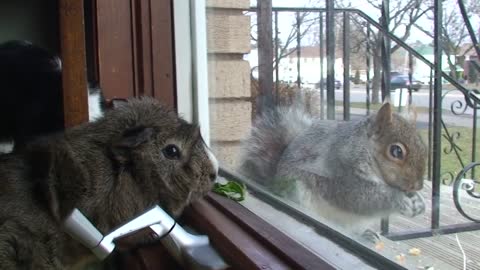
[{"x": 129, "y": 140}]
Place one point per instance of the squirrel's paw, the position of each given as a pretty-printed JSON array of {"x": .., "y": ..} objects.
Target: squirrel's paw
[
  {"x": 370, "y": 236},
  {"x": 412, "y": 204}
]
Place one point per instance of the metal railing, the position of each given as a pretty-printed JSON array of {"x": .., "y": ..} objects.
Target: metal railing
[{"x": 471, "y": 100}]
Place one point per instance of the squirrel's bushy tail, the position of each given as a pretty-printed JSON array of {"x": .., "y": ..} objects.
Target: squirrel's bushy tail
[{"x": 270, "y": 135}]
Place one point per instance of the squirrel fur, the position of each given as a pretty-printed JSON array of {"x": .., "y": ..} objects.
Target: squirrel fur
[{"x": 347, "y": 172}]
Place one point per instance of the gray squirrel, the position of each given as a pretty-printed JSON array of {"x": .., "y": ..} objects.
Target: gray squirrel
[{"x": 348, "y": 172}]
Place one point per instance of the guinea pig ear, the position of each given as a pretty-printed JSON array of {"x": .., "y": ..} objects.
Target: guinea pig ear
[
  {"x": 41, "y": 161},
  {"x": 131, "y": 139}
]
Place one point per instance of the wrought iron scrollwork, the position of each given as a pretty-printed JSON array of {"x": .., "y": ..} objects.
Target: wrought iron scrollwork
[
  {"x": 471, "y": 99},
  {"x": 451, "y": 138},
  {"x": 452, "y": 145},
  {"x": 448, "y": 178},
  {"x": 469, "y": 185},
  {"x": 458, "y": 107}
]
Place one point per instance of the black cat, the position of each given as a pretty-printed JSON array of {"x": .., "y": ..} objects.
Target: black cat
[{"x": 31, "y": 101}]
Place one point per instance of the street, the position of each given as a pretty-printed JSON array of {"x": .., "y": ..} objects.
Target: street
[{"x": 421, "y": 100}]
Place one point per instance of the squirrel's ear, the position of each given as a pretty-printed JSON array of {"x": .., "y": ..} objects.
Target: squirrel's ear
[
  {"x": 384, "y": 115},
  {"x": 411, "y": 114},
  {"x": 130, "y": 139}
]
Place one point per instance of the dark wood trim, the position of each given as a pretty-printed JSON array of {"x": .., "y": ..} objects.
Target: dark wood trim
[
  {"x": 147, "y": 257},
  {"x": 245, "y": 240},
  {"x": 115, "y": 45},
  {"x": 142, "y": 47},
  {"x": 91, "y": 41},
  {"x": 136, "y": 49},
  {"x": 163, "y": 51},
  {"x": 72, "y": 47}
]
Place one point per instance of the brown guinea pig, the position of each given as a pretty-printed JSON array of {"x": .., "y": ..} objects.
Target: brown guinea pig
[{"x": 138, "y": 155}]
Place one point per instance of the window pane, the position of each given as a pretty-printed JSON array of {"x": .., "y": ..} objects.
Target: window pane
[{"x": 298, "y": 112}]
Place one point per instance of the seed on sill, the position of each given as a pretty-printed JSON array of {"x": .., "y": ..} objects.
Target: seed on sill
[
  {"x": 414, "y": 251},
  {"x": 400, "y": 258},
  {"x": 379, "y": 246}
]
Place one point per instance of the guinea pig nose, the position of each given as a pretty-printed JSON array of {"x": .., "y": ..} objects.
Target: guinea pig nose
[{"x": 213, "y": 177}]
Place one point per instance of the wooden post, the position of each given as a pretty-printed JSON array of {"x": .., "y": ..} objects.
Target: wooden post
[
  {"x": 74, "y": 76},
  {"x": 163, "y": 65},
  {"x": 265, "y": 55}
]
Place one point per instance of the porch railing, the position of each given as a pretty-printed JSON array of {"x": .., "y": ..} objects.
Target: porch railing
[{"x": 471, "y": 101}]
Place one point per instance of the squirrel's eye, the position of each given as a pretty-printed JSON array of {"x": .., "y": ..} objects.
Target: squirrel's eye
[
  {"x": 171, "y": 151},
  {"x": 397, "y": 151}
]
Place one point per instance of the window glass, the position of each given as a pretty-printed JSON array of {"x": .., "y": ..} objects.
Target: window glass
[{"x": 317, "y": 135}]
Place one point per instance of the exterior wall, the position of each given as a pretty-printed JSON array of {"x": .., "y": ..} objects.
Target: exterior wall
[{"x": 228, "y": 40}]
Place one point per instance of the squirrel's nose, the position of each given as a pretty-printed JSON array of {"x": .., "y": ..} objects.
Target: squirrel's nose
[{"x": 418, "y": 185}]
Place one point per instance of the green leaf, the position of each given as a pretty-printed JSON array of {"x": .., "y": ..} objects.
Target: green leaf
[{"x": 232, "y": 189}]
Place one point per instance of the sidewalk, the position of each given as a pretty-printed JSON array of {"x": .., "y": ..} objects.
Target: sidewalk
[{"x": 422, "y": 118}]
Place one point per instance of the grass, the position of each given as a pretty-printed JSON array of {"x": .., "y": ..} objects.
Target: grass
[
  {"x": 449, "y": 163},
  {"x": 376, "y": 107},
  {"x": 360, "y": 105}
]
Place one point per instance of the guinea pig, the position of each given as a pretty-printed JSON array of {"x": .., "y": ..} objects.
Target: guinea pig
[{"x": 138, "y": 155}]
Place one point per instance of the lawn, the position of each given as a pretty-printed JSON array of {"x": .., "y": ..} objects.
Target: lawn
[
  {"x": 376, "y": 107},
  {"x": 450, "y": 163}
]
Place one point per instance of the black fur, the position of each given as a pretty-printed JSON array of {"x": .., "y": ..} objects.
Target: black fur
[{"x": 31, "y": 101}]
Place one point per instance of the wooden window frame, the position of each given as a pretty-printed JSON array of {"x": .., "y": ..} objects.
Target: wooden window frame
[
  {"x": 139, "y": 62},
  {"x": 72, "y": 50},
  {"x": 245, "y": 240},
  {"x": 135, "y": 53}
]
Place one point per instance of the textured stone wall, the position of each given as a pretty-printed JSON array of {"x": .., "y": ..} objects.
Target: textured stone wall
[{"x": 228, "y": 40}]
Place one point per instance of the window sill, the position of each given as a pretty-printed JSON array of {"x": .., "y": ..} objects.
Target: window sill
[{"x": 245, "y": 240}]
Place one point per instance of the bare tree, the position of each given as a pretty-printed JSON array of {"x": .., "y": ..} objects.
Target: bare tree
[
  {"x": 286, "y": 45},
  {"x": 403, "y": 15},
  {"x": 454, "y": 32},
  {"x": 267, "y": 59}
]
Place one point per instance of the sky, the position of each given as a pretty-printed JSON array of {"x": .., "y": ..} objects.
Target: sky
[{"x": 285, "y": 23}]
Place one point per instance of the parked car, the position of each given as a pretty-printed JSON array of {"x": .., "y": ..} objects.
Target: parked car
[
  {"x": 398, "y": 80},
  {"x": 338, "y": 84}
]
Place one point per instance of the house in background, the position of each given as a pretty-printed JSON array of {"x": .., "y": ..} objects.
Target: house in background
[
  {"x": 470, "y": 56},
  {"x": 310, "y": 65},
  {"x": 421, "y": 71},
  {"x": 309, "y": 61}
]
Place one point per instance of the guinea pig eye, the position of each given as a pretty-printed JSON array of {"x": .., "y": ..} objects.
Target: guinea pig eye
[
  {"x": 171, "y": 151},
  {"x": 397, "y": 151}
]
